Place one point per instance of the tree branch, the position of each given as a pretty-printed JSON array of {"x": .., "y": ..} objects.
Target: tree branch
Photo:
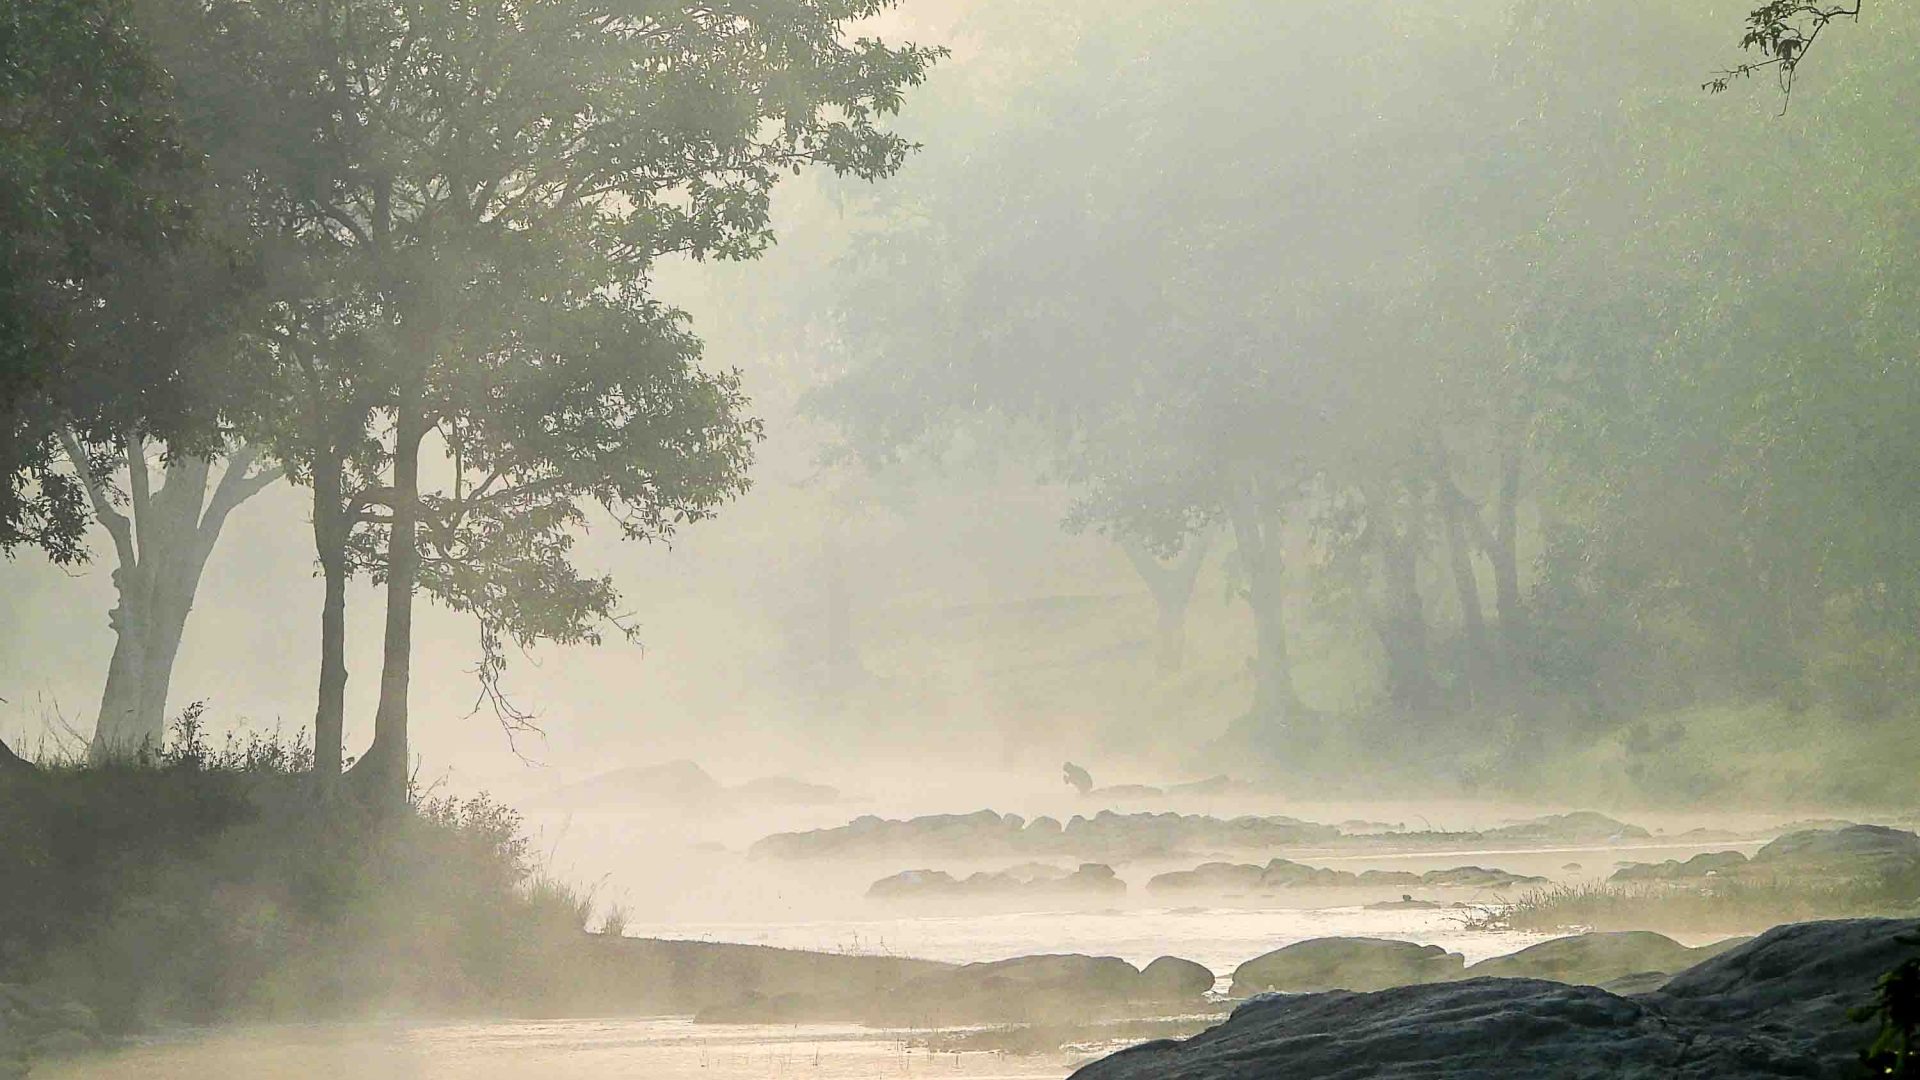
[{"x": 115, "y": 523}]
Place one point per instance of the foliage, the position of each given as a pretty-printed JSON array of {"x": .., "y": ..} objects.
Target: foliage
[
  {"x": 95, "y": 181},
  {"x": 204, "y": 884},
  {"x": 1895, "y": 1050}
]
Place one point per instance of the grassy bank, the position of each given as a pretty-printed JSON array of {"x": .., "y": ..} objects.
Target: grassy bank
[
  {"x": 207, "y": 884},
  {"x": 1720, "y": 907}
]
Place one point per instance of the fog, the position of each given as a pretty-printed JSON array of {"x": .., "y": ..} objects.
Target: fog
[{"x": 961, "y": 481}]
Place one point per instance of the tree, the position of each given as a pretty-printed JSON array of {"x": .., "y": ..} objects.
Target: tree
[
  {"x": 490, "y": 189},
  {"x": 161, "y": 546}
]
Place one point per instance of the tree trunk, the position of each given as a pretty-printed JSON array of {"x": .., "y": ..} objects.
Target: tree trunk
[
  {"x": 1256, "y": 531},
  {"x": 1473, "y": 623},
  {"x": 330, "y": 533},
  {"x": 381, "y": 775},
  {"x": 1172, "y": 589},
  {"x": 1502, "y": 553},
  {"x": 163, "y": 554},
  {"x": 1401, "y": 622}
]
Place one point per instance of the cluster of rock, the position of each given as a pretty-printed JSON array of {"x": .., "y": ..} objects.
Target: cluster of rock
[
  {"x": 1027, "y": 879},
  {"x": 1231, "y": 878},
  {"x": 1347, "y": 963},
  {"x": 1108, "y": 836},
  {"x": 1025, "y": 990},
  {"x": 35, "y": 1024},
  {"x": 1846, "y": 850},
  {"x": 1778, "y": 1006}
]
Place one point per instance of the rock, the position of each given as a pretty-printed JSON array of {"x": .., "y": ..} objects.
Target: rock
[
  {"x": 1286, "y": 874},
  {"x": 1106, "y": 836},
  {"x": 912, "y": 883},
  {"x": 1027, "y": 879},
  {"x": 1213, "y": 877},
  {"x": 1851, "y": 843},
  {"x": 1345, "y": 963},
  {"x": 1405, "y": 903},
  {"x": 1774, "y": 1007},
  {"x": 1591, "y": 959},
  {"x": 1704, "y": 865},
  {"x": 1390, "y": 877},
  {"x": 1172, "y": 979},
  {"x": 1579, "y": 827},
  {"x": 1478, "y": 877},
  {"x": 1027, "y": 989}
]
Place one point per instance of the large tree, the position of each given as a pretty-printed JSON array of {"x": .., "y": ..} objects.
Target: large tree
[{"x": 490, "y": 189}]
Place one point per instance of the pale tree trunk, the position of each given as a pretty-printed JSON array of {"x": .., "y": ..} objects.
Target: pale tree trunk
[
  {"x": 1171, "y": 584},
  {"x": 380, "y": 777},
  {"x": 162, "y": 553},
  {"x": 1257, "y": 520}
]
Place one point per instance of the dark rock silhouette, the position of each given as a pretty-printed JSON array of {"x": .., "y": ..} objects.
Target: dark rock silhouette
[{"x": 1776, "y": 1006}]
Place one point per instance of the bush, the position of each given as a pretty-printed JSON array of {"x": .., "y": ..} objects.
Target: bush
[{"x": 206, "y": 883}]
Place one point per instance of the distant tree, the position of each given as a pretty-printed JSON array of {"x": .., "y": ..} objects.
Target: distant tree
[{"x": 489, "y": 192}]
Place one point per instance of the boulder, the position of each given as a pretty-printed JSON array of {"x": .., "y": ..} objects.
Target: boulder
[
  {"x": 1345, "y": 963},
  {"x": 1213, "y": 877},
  {"x": 1704, "y": 865},
  {"x": 1027, "y": 989},
  {"x": 1862, "y": 843},
  {"x": 1579, "y": 827},
  {"x": 1774, "y": 1007},
  {"x": 1027, "y": 879},
  {"x": 1591, "y": 959},
  {"x": 1172, "y": 979},
  {"x": 1478, "y": 877}
]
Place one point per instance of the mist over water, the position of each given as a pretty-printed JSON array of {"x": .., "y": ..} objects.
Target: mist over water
[{"x": 868, "y": 538}]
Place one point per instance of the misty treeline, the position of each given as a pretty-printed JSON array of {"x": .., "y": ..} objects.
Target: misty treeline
[
  {"x": 402, "y": 254},
  {"x": 1481, "y": 333}
]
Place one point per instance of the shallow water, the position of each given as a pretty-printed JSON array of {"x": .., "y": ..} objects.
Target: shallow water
[
  {"x": 688, "y": 878},
  {"x": 642, "y": 1049}
]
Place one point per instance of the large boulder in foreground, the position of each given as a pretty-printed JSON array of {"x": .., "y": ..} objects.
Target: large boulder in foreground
[
  {"x": 1774, "y": 1007},
  {"x": 1345, "y": 963}
]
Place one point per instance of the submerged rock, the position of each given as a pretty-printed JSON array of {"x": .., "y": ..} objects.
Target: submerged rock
[
  {"x": 1773, "y": 1007},
  {"x": 1345, "y": 963}
]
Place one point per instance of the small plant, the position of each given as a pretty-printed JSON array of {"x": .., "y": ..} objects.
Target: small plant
[{"x": 1895, "y": 1051}]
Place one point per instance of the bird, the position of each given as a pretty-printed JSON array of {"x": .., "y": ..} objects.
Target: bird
[{"x": 1081, "y": 780}]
